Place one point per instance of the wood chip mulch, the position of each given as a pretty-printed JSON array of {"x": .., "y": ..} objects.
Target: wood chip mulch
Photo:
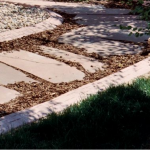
[{"x": 36, "y": 93}]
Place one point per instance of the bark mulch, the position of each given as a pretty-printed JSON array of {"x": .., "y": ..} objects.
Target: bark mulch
[{"x": 36, "y": 93}]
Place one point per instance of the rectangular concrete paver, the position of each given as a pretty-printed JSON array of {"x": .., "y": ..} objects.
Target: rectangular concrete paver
[
  {"x": 7, "y": 94},
  {"x": 43, "y": 67},
  {"x": 9, "y": 75},
  {"x": 60, "y": 103},
  {"x": 89, "y": 64}
]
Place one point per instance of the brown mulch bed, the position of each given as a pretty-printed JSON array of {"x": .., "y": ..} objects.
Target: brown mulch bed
[{"x": 36, "y": 93}]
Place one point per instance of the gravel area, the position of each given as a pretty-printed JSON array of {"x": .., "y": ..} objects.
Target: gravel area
[{"x": 16, "y": 16}]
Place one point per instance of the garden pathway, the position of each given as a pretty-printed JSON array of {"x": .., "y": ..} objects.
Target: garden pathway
[{"x": 100, "y": 35}]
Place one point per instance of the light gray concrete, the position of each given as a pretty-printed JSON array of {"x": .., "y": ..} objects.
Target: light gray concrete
[
  {"x": 9, "y": 75},
  {"x": 43, "y": 67},
  {"x": 7, "y": 94},
  {"x": 96, "y": 20},
  {"x": 92, "y": 33},
  {"x": 100, "y": 46},
  {"x": 105, "y": 17},
  {"x": 90, "y": 64}
]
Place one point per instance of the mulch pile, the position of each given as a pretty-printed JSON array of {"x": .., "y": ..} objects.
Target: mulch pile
[{"x": 36, "y": 93}]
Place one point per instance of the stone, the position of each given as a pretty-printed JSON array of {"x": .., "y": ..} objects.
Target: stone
[
  {"x": 7, "y": 94},
  {"x": 101, "y": 31},
  {"x": 9, "y": 75},
  {"x": 40, "y": 66},
  {"x": 149, "y": 41},
  {"x": 92, "y": 10},
  {"x": 95, "y": 20},
  {"x": 100, "y": 46},
  {"x": 89, "y": 64}
]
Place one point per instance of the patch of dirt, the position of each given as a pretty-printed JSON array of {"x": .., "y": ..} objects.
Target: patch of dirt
[{"x": 36, "y": 93}]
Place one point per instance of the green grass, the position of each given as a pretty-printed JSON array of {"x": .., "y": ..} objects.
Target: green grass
[{"x": 116, "y": 118}]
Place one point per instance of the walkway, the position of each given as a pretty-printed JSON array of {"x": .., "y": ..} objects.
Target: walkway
[{"x": 54, "y": 72}]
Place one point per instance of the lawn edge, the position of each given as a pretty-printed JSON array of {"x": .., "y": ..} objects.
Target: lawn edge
[{"x": 60, "y": 103}]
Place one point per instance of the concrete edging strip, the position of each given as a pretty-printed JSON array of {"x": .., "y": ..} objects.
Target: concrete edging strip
[
  {"x": 48, "y": 24},
  {"x": 60, "y": 103}
]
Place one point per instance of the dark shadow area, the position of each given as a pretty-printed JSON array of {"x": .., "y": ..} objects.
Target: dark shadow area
[{"x": 116, "y": 118}]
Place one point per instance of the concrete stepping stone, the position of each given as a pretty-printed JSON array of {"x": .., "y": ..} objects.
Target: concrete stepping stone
[
  {"x": 100, "y": 46},
  {"x": 126, "y": 20},
  {"x": 9, "y": 75},
  {"x": 90, "y": 64},
  {"x": 7, "y": 94},
  {"x": 43, "y": 67},
  {"x": 101, "y": 31},
  {"x": 93, "y": 9},
  {"x": 111, "y": 17}
]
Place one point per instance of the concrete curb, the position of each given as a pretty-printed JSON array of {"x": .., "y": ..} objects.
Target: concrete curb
[
  {"x": 48, "y": 24},
  {"x": 62, "y": 102}
]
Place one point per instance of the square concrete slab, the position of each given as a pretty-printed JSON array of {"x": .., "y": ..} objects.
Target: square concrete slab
[
  {"x": 9, "y": 75},
  {"x": 89, "y": 64},
  {"x": 43, "y": 67},
  {"x": 7, "y": 94}
]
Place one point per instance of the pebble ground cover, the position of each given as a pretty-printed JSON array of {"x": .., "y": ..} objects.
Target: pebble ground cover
[{"x": 16, "y": 16}]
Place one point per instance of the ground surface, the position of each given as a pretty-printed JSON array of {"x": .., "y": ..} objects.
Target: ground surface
[{"x": 66, "y": 51}]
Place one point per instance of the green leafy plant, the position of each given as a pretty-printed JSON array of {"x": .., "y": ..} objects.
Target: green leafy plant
[{"x": 144, "y": 14}]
